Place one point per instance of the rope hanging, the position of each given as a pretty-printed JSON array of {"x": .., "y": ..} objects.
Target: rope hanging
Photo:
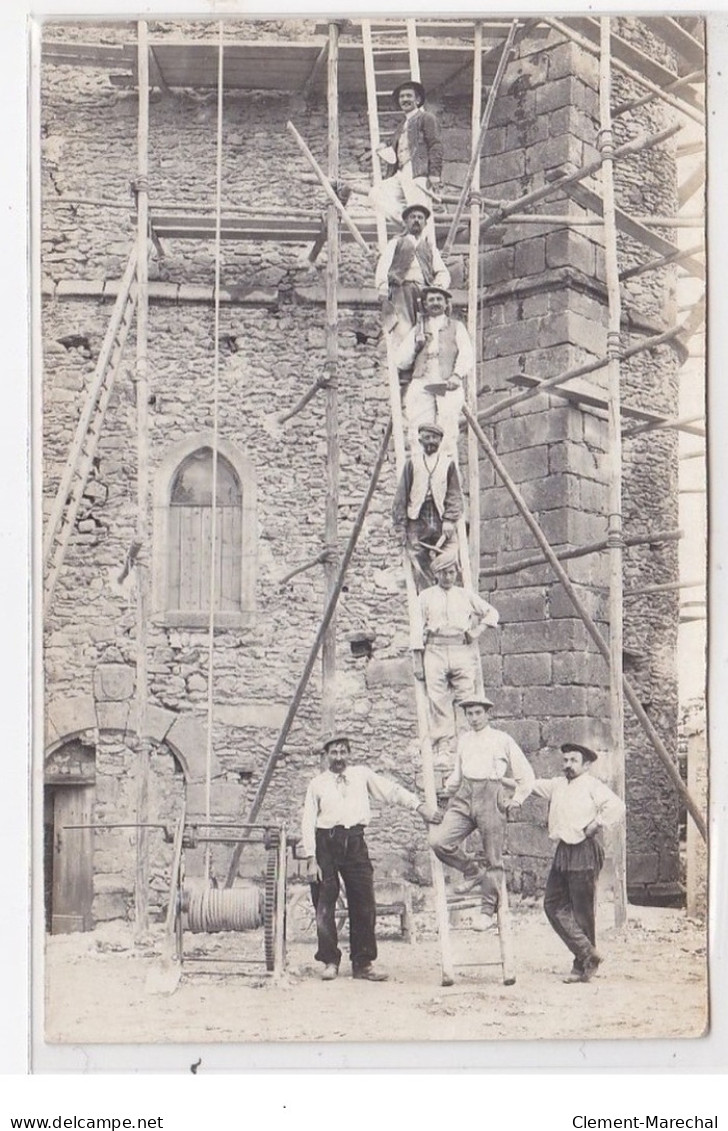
[{"x": 215, "y": 426}]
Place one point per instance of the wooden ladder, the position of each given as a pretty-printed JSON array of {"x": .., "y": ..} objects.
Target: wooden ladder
[
  {"x": 85, "y": 442},
  {"x": 385, "y": 66}
]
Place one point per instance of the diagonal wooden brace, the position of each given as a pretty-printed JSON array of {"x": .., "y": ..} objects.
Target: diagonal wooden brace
[{"x": 591, "y": 627}]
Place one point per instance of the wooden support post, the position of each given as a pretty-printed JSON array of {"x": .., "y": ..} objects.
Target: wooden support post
[
  {"x": 315, "y": 647},
  {"x": 505, "y": 937},
  {"x": 478, "y": 143},
  {"x": 328, "y": 650},
  {"x": 373, "y": 115},
  {"x": 614, "y": 529},
  {"x": 473, "y": 179},
  {"x": 141, "y": 886},
  {"x": 670, "y": 767}
]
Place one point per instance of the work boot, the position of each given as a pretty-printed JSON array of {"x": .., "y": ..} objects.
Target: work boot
[
  {"x": 368, "y": 974},
  {"x": 330, "y": 972}
]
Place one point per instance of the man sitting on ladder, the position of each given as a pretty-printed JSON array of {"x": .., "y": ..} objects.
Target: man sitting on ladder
[
  {"x": 408, "y": 263},
  {"x": 413, "y": 158},
  {"x": 440, "y": 354},
  {"x": 428, "y": 503}
]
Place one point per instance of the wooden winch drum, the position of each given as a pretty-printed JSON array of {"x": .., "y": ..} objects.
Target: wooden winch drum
[{"x": 225, "y": 909}]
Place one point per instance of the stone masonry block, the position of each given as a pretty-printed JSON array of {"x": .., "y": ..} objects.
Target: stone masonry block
[
  {"x": 587, "y": 333},
  {"x": 109, "y": 906},
  {"x": 553, "y": 153},
  {"x": 542, "y": 636},
  {"x": 556, "y": 525},
  {"x": 546, "y": 702},
  {"x": 566, "y": 248},
  {"x": 529, "y": 464},
  {"x": 525, "y": 732},
  {"x": 577, "y": 728},
  {"x": 552, "y": 492},
  {"x": 263, "y": 714},
  {"x": 158, "y": 722},
  {"x": 555, "y": 94},
  {"x": 113, "y": 682},
  {"x": 187, "y": 738},
  {"x": 523, "y": 432},
  {"x": 585, "y": 668},
  {"x": 524, "y": 604},
  {"x": 72, "y": 716},
  {"x": 492, "y": 668},
  {"x": 113, "y": 716},
  {"x": 593, "y": 496},
  {"x": 523, "y": 671},
  {"x": 497, "y": 503},
  {"x": 498, "y": 265},
  {"x": 530, "y": 257},
  {"x": 576, "y": 458},
  {"x": 390, "y": 673},
  {"x": 560, "y": 604}
]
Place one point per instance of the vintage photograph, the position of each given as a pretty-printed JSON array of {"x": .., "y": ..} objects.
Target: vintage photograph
[{"x": 373, "y": 535}]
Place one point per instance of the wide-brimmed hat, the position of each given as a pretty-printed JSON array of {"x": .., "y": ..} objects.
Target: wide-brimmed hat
[
  {"x": 576, "y": 748},
  {"x": 416, "y": 208},
  {"x": 482, "y": 702},
  {"x": 416, "y": 86},
  {"x": 336, "y": 737}
]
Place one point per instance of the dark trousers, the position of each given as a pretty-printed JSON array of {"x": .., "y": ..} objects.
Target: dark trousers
[
  {"x": 570, "y": 906},
  {"x": 476, "y": 805},
  {"x": 342, "y": 853}
]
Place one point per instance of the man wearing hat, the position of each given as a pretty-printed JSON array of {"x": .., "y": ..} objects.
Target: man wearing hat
[
  {"x": 452, "y": 620},
  {"x": 413, "y": 159},
  {"x": 335, "y": 814},
  {"x": 409, "y": 262},
  {"x": 579, "y": 806},
  {"x": 488, "y": 765},
  {"x": 428, "y": 502},
  {"x": 440, "y": 355}
]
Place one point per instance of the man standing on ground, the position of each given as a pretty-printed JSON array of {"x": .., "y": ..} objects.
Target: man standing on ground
[
  {"x": 452, "y": 620},
  {"x": 488, "y": 764},
  {"x": 335, "y": 814},
  {"x": 579, "y": 806},
  {"x": 428, "y": 503}
]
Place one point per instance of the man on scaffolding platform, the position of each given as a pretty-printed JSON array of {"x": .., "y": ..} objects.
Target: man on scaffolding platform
[
  {"x": 428, "y": 503},
  {"x": 335, "y": 814},
  {"x": 412, "y": 160}
]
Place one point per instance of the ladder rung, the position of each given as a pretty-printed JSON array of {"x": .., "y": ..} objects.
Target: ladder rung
[{"x": 399, "y": 71}]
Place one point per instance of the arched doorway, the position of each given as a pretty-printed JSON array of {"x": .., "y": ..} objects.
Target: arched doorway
[{"x": 68, "y": 799}]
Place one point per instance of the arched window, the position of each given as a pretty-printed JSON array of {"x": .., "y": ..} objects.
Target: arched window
[{"x": 184, "y": 539}]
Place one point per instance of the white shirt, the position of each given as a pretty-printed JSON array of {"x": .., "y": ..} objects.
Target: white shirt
[
  {"x": 491, "y": 755},
  {"x": 455, "y": 611},
  {"x": 405, "y": 355},
  {"x": 441, "y": 276},
  {"x": 332, "y": 801},
  {"x": 573, "y": 804}
]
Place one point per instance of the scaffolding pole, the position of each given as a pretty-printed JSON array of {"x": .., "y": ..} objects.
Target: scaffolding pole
[
  {"x": 473, "y": 285},
  {"x": 328, "y": 649},
  {"x": 614, "y": 527},
  {"x": 141, "y": 901}
]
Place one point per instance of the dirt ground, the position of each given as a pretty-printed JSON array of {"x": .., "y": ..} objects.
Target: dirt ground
[{"x": 101, "y": 987}]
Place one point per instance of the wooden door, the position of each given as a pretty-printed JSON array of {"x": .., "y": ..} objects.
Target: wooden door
[{"x": 72, "y": 887}]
